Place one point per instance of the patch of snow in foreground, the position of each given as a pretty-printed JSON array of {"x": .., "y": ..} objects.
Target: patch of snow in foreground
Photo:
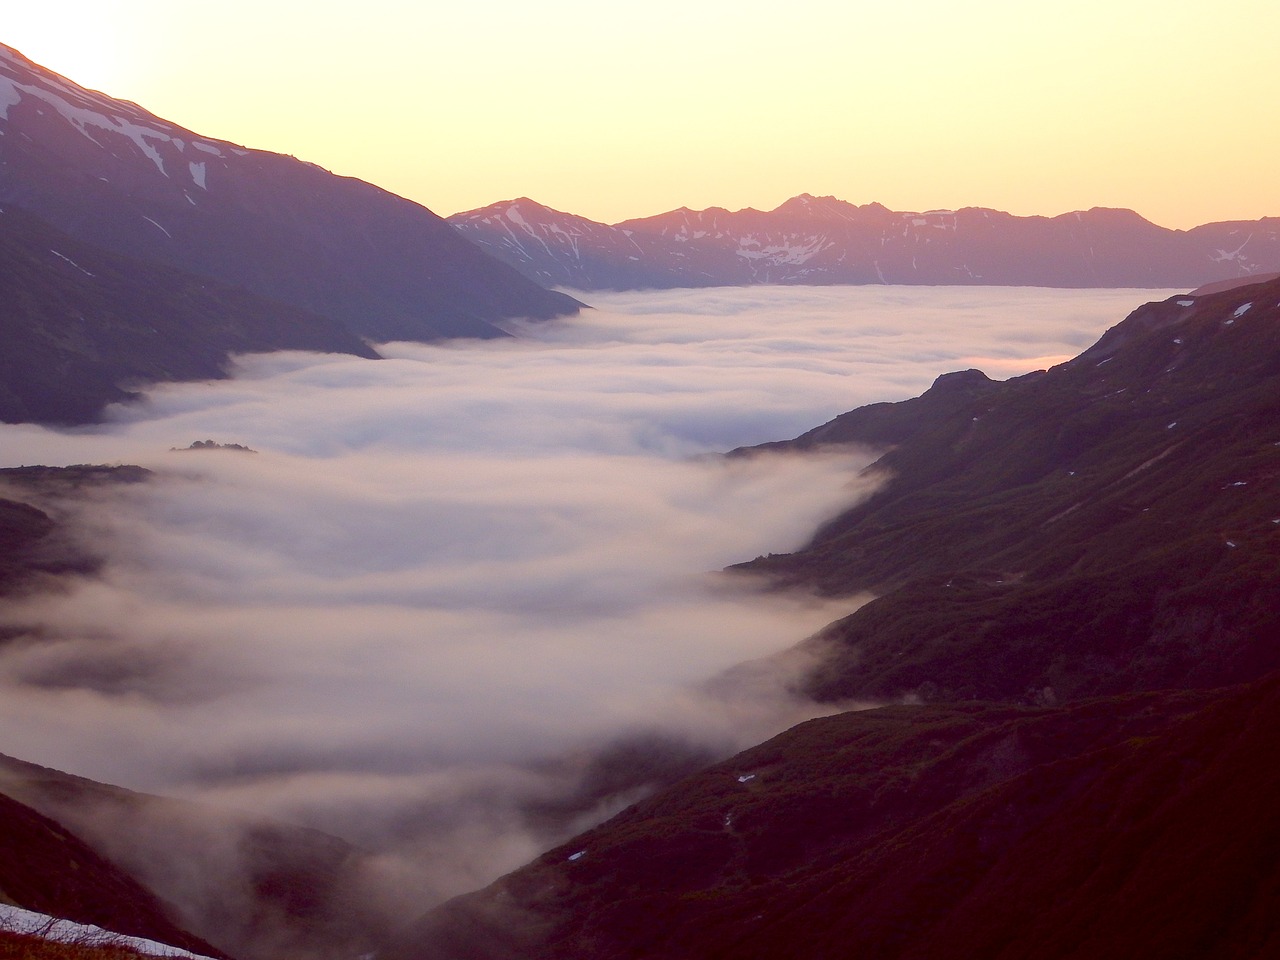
[{"x": 66, "y": 931}]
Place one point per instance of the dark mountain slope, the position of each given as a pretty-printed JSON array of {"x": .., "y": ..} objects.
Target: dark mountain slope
[
  {"x": 1110, "y": 525},
  {"x": 1131, "y": 826},
  {"x": 46, "y": 868},
  {"x": 111, "y": 174},
  {"x": 79, "y": 325},
  {"x": 258, "y": 889},
  {"x": 823, "y": 240}
]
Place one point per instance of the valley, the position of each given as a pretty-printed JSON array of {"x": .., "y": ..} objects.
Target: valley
[
  {"x": 819, "y": 581},
  {"x": 214, "y": 592}
]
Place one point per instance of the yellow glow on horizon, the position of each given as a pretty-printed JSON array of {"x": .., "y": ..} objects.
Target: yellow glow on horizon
[{"x": 621, "y": 111}]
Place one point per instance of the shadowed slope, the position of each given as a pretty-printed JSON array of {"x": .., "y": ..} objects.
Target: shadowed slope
[
  {"x": 1108, "y": 525},
  {"x": 46, "y": 868},
  {"x": 80, "y": 326},
  {"x": 1134, "y": 826}
]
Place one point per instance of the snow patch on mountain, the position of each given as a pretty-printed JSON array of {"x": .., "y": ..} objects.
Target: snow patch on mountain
[
  {"x": 93, "y": 114},
  {"x": 46, "y": 927},
  {"x": 795, "y": 253}
]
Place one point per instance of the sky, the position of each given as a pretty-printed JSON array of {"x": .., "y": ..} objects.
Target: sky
[
  {"x": 613, "y": 111},
  {"x": 444, "y": 569}
]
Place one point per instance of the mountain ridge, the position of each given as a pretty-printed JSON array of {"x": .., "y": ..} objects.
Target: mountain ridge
[
  {"x": 1102, "y": 527},
  {"x": 826, "y": 240},
  {"x": 113, "y": 175}
]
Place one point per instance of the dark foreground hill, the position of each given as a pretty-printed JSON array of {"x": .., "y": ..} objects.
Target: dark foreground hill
[
  {"x": 46, "y": 868},
  {"x": 254, "y": 888},
  {"x": 1137, "y": 826},
  {"x": 824, "y": 240},
  {"x": 1080, "y": 593}
]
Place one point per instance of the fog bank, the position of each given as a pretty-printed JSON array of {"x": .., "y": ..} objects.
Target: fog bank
[{"x": 442, "y": 571}]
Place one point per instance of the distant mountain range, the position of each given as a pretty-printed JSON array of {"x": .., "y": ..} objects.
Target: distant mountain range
[
  {"x": 136, "y": 250},
  {"x": 823, "y": 240}
]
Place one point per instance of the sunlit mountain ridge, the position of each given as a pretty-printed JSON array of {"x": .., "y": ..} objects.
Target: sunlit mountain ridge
[
  {"x": 825, "y": 240},
  {"x": 127, "y": 225}
]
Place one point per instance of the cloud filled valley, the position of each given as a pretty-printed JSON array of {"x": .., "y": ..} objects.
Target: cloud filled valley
[{"x": 445, "y": 575}]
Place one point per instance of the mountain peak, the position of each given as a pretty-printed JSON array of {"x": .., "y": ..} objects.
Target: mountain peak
[
  {"x": 1116, "y": 217},
  {"x": 807, "y": 205}
]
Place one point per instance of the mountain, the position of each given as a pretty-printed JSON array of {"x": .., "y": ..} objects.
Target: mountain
[
  {"x": 1074, "y": 641},
  {"x": 823, "y": 240},
  {"x": 97, "y": 853},
  {"x": 1132, "y": 826},
  {"x": 46, "y": 868},
  {"x": 1105, "y": 526},
  {"x": 81, "y": 325},
  {"x": 110, "y": 174}
]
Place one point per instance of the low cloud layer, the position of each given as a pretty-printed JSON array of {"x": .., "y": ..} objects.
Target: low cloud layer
[{"x": 444, "y": 569}]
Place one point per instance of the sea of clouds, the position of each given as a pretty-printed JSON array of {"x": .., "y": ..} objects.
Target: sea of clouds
[{"x": 442, "y": 569}]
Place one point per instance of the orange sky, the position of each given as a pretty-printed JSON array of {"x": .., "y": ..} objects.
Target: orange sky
[{"x": 615, "y": 111}]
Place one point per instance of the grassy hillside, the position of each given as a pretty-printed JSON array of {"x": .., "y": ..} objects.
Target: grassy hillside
[
  {"x": 46, "y": 868},
  {"x": 1121, "y": 827},
  {"x": 1109, "y": 525}
]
